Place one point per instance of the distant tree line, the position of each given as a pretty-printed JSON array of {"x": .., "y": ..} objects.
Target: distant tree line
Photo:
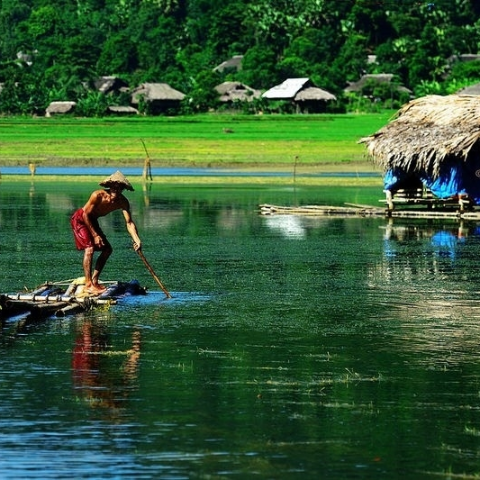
[{"x": 53, "y": 50}]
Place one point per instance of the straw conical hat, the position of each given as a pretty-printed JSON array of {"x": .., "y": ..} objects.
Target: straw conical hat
[{"x": 119, "y": 178}]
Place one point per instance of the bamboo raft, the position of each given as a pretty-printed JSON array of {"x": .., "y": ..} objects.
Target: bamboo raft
[
  {"x": 351, "y": 209},
  {"x": 63, "y": 298}
]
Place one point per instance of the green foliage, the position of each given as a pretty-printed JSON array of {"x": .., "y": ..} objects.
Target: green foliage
[
  {"x": 43, "y": 21},
  {"x": 264, "y": 77},
  {"x": 23, "y": 92},
  {"x": 462, "y": 75},
  {"x": 203, "y": 95},
  {"x": 469, "y": 71},
  {"x": 118, "y": 55},
  {"x": 92, "y": 104},
  {"x": 432, "y": 87},
  {"x": 180, "y": 42}
]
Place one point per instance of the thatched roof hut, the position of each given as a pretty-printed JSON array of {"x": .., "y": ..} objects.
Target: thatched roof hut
[
  {"x": 236, "y": 91},
  {"x": 59, "y": 108},
  {"x": 302, "y": 92},
  {"x": 314, "y": 94},
  {"x": 374, "y": 78},
  {"x": 158, "y": 96},
  {"x": 463, "y": 57},
  {"x": 470, "y": 90},
  {"x": 234, "y": 63},
  {"x": 313, "y": 99},
  {"x": 287, "y": 89},
  {"x": 434, "y": 139},
  {"x": 121, "y": 110},
  {"x": 109, "y": 84}
]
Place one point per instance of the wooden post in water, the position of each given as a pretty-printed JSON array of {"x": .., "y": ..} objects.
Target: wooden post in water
[{"x": 147, "y": 166}]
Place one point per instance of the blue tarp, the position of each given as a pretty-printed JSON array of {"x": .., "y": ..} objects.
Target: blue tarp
[
  {"x": 463, "y": 179},
  {"x": 447, "y": 185}
]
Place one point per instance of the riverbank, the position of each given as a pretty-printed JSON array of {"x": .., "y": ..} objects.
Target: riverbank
[
  {"x": 299, "y": 177},
  {"x": 284, "y": 142}
]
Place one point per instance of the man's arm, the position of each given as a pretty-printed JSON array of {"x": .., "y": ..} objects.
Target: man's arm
[{"x": 132, "y": 229}]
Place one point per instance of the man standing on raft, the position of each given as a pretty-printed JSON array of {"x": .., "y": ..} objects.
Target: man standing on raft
[{"x": 88, "y": 234}]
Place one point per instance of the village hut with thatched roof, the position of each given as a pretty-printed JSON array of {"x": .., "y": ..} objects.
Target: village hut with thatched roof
[
  {"x": 158, "y": 97},
  {"x": 470, "y": 90},
  {"x": 60, "y": 108},
  {"x": 302, "y": 92},
  {"x": 110, "y": 84},
  {"x": 234, "y": 64},
  {"x": 313, "y": 99},
  {"x": 433, "y": 141},
  {"x": 230, "y": 92},
  {"x": 371, "y": 79},
  {"x": 121, "y": 110}
]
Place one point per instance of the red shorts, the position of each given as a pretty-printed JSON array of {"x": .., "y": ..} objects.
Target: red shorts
[{"x": 81, "y": 233}]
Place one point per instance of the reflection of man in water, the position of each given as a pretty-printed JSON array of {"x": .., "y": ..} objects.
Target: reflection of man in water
[{"x": 94, "y": 367}]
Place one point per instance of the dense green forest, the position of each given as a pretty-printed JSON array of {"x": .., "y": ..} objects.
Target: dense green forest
[{"x": 55, "y": 49}]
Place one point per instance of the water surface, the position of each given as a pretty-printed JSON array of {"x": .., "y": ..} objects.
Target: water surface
[{"x": 293, "y": 347}]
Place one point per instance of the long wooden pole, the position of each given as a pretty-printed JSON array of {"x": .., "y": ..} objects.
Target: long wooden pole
[
  {"x": 154, "y": 275},
  {"x": 147, "y": 167}
]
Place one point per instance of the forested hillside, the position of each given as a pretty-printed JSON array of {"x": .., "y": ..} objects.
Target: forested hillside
[{"x": 55, "y": 49}]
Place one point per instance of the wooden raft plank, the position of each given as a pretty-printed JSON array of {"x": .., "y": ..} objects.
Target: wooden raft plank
[{"x": 366, "y": 211}]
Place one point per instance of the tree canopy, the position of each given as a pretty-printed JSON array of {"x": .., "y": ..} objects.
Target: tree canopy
[{"x": 55, "y": 49}]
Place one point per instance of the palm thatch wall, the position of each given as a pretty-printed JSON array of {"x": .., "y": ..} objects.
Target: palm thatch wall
[{"x": 427, "y": 134}]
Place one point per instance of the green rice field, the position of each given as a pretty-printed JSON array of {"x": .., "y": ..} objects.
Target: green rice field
[{"x": 229, "y": 141}]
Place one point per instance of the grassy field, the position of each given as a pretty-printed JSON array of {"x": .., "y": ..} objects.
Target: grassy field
[{"x": 321, "y": 142}]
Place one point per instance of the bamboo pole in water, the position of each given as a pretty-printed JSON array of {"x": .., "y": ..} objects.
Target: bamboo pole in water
[
  {"x": 154, "y": 275},
  {"x": 28, "y": 297},
  {"x": 45, "y": 309}
]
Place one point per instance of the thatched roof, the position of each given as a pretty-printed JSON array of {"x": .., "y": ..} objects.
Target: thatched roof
[
  {"x": 298, "y": 90},
  {"x": 313, "y": 93},
  {"x": 156, "y": 92},
  {"x": 60, "y": 108},
  {"x": 426, "y": 133},
  {"x": 121, "y": 110},
  {"x": 236, "y": 91},
  {"x": 288, "y": 89},
  {"x": 464, "y": 57},
  {"x": 470, "y": 90},
  {"x": 25, "y": 57},
  {"x": 370, "y": 78},
  {"x": 109, "y": 84},
  {"x": 234, "y": 63}
]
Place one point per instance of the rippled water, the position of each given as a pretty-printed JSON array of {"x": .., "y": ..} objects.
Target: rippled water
[{"x": 293, "y": 347}]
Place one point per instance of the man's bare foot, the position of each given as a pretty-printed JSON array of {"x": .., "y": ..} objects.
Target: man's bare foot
[{"x": 95, "y": 289}]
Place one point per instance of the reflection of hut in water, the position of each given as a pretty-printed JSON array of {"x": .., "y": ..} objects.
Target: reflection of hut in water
[
  {"x": 418, "y": 252},
  {"x": 289, "y": 226},
  {"x": 433, "y": 145},
  {"x": 432, "y": 297}
]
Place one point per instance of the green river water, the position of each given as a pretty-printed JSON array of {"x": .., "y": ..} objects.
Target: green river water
[{"x": 293, "y": 347}]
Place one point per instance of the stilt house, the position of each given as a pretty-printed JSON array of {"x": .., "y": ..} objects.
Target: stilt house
[{"x": 433, "y": 144}]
